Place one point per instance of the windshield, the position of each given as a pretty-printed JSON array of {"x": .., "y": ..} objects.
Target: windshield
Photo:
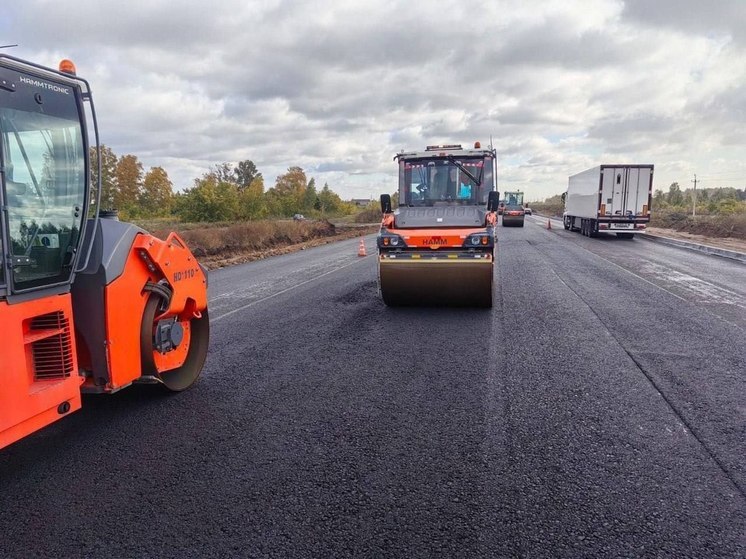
[
  {"x": 438, "y": 181},
  {"x": 514, "y": 199},
  {"x": 43, "y": 184}
]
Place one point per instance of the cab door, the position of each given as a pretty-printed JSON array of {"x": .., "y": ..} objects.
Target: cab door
[{"x": 43, "y": 195}]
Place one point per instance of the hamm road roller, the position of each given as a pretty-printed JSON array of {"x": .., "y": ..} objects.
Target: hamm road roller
[
  {"x": 438, "y": 247},
  {"x": 513, "y": 212},
  {"x": 87, "y": 304}
]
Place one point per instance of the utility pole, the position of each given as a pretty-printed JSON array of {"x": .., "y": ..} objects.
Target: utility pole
[{"x": 694, "y": 197}]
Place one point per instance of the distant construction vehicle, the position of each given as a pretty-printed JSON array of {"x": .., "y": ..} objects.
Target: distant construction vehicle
[
  {"x": 609, "y": 199},
  {"x": 513, "y": 212},
  {"x": 87, "y": 304},
  {"x": 438, "y": 247}
]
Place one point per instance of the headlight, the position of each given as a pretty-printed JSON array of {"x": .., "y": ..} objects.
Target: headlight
[
  {"x": 484, "y": 240},
  {"x": 390, "y": 240}
]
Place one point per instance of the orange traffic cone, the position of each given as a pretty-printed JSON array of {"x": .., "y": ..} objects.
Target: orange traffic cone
[
  {"x": 549, "y": 223},
  {"x": 361, "y": 248}
]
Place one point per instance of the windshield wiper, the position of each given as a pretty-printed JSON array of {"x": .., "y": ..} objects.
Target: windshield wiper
[{"x": 477, "y": 181}]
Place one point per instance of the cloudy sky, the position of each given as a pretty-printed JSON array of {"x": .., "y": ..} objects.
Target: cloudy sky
[{"x": 338, "y": 87}]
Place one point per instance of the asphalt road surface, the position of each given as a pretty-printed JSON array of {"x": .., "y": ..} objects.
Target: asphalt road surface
[{"x": 598, "y": 410}]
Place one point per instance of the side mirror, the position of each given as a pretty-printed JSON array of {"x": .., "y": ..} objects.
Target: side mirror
[
  {"x": 564, "y": 197},
  {"x": 386, "y": 203},
  {"x": 493, "y": 199}
]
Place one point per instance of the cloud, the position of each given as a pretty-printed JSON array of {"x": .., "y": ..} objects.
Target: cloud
[
  {"x": 726, "y": 17},
  {"x": 338, "y": 89}
]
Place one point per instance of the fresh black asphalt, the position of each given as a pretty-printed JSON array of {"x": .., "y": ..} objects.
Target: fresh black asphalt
[{"x": 598, "y": 410}]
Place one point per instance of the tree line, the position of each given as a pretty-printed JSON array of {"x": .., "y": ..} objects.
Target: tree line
[
  {"x": 126, "y": 187},
  {"x": 716, "y": 201},
  {"x": 227, "y": 192}
]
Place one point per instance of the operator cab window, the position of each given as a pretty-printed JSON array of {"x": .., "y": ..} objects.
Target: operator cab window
[
  {"x": 44, "y": 189},
  {"x": 437, "y": 182},
  {"x": 514, "y": 200}
]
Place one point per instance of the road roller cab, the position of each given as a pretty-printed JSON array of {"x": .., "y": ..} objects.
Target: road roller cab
[
  {"x": 86, "y": 304},
  {"x": 438, "y": 246}
]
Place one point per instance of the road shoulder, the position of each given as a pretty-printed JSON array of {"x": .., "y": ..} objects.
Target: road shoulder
[{"x": 725, "y": 247}]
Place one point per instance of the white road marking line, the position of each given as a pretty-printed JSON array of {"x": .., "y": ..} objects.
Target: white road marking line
[
  {"x": 705, "y": 291},
  {"x": 252, "y": 303}
]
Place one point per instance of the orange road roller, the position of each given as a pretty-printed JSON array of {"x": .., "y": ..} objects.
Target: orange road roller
[
  {"x": 513, "y": 212},
  {"x": 87, "y": 303},
  {"x": 438, "y": 247}
]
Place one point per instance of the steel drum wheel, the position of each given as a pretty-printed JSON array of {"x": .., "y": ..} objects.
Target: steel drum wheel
[
  {"x": 430, "y": 287},
  {"x": 182, "y": 377}
]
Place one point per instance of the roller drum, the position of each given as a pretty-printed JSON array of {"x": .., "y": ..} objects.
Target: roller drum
[{"x": 436, "y": 282}]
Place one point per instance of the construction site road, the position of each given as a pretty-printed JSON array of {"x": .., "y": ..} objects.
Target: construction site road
[{"x": 598, "y": 410}]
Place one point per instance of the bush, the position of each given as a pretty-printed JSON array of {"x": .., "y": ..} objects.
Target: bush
[
  {"x": 370, "y": 214},
  {"x": 730, "y": 207},
  {"x": 553, "y": 209}
]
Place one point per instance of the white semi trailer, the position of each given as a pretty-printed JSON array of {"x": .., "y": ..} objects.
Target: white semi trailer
[{"x": 609, "y": 199}]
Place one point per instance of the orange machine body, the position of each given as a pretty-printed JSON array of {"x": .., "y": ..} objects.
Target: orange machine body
[
  {"x": 150, "y": 261},
  {"x": 39, "y": 368},
  {"x": 47, "y": 361},
  {"x": 435, "y": 239}
]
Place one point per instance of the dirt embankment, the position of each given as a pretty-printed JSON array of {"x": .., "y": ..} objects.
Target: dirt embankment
[
  {"x": 722, "y": 231},
  {"x": 728, "y": 243},
  {"x": 725, "y": 226},
  {"x": 222, "y": 245}
]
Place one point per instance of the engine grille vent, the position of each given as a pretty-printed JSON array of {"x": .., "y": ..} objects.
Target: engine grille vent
[{"x": 51, "y": 346}]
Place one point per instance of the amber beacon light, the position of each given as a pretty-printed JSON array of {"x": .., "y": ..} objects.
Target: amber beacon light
[{"x": 67, "y": 66}]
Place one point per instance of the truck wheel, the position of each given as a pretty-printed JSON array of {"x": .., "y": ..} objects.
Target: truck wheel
[
  {"x": 198, "y": 338},
  {"x": 593, "y": 228},
  {"x": 566, "y": 223}
]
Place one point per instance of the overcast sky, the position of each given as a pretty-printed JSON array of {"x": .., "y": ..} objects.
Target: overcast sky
[{"x": 338, "y": 87}]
